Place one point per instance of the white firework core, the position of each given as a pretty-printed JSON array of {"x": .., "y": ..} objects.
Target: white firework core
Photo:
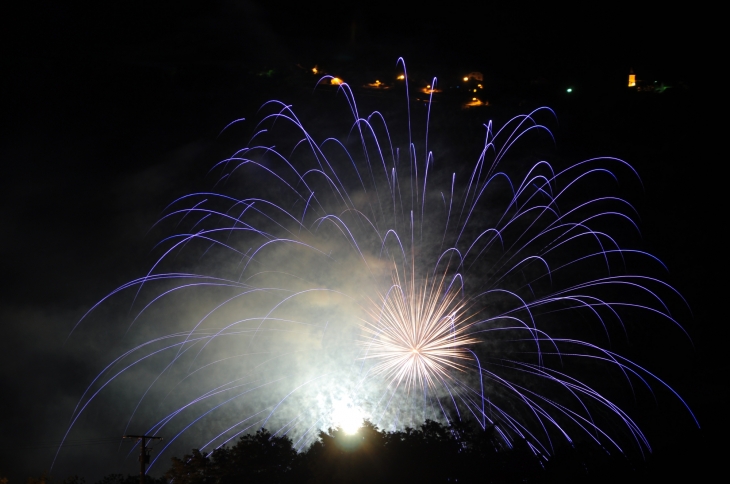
[{"x": 417, "y": 334}]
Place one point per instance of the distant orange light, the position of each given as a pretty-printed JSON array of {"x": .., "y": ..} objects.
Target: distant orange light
[
  {"x": 376, "y": 85},
  {"x": 336, "y": 81},
  {"x": 475, "y": 102},
  {"x": 314, "y": 70},
  {"x": 466, "y": 79},
  {"x": 401, "y": 77},
  {"x": 632, "y": 80},
  {"x": 480, "y": 86},
  {"x": 429, "y": 86}
]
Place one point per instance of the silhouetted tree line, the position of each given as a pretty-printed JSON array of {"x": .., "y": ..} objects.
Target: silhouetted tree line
[
  {"x": 431, "y": 453},
  {"x": 108, "y": 479}
]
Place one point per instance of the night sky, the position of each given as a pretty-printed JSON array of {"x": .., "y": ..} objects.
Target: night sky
[{"x": 111, "y": 111}]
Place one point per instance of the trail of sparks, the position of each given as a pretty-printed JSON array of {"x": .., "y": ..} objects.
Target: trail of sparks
[
  {"x": 351, "y": 279},
  {"x": 418, "y": 335}
]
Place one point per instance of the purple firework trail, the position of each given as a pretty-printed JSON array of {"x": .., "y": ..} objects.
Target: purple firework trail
[{"x": 327, "y": 280}]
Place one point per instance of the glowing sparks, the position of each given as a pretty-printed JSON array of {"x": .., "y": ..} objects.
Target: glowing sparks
[
  {"x": 376, "y": 280},
  {"x": 418, "y": 335}
]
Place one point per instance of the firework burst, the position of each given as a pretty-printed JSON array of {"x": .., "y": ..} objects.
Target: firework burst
[
  {"x": 418, "y": 335},
  {"x": 329, "y": 279}
]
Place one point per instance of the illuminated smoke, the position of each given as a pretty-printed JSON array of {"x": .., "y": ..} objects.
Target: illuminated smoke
[{"x": 327, "y": 279}]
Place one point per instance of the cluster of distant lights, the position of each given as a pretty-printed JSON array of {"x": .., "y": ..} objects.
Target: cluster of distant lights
[
  {"x": 336, "y": 81},
  {"x": 429, "y": 89}
]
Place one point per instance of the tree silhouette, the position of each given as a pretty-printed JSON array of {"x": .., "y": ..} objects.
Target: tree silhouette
[
  {"x": 341, "y": 457},
  {"x": 117, "y": 479},
  {"x": 255, "y": 458},
  {"x": 431, "y": 453}
]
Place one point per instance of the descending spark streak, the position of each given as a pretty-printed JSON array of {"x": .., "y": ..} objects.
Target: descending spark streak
[{"x": 343, "y": 281}]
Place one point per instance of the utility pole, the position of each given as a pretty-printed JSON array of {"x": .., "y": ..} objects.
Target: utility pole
[{"x": 144, "y": 457}]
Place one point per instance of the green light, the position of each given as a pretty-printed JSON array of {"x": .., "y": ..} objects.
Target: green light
[{"x": 570, "y": 89}]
